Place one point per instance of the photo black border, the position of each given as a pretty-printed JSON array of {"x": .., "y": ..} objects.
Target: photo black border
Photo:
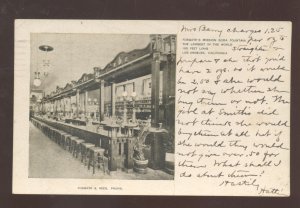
[{"x": 250, "y": 10}]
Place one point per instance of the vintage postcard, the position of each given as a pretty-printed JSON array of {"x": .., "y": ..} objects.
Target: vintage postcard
[{"x": 113, "y": 107}]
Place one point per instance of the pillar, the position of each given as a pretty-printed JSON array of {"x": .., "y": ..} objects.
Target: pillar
[
  {"x": 171, "y": 97},
  {"x": 113, "y": 150},
  {"x": 113, "y": 98},
  {"x": 165, "y": 92},
  {"x": 77, "y": 103},
  {"x": 169, "y": 90},
  {"x": 70, "y": 106},
  {"x": 86, "y": 102},
  {"x": 64, "y": 103},
  {"x": 155, "y": 70},
  {"x": 55, "y": 107},
  {"x": 129, "y": 153},
  {"x": 101, "y": 109}
]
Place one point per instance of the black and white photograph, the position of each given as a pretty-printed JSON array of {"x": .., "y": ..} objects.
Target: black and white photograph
[{"x": 102, "y": 106}]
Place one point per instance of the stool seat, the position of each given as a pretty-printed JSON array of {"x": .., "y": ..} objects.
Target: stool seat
[
  {"x": 79, "y": 140},
  {"x": 63, "y": 133},
  {"x": 87, "y": 145},
  {"x": 97, "y": 150},
  {"x": 74, "y": 137}
]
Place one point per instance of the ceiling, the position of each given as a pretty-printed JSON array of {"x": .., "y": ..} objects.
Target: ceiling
[{"x": 75, "y": 54}]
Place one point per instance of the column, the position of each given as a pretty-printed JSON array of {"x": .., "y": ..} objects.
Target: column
[
  {"x": 55, "y": 107},
  {"x": 165, "y": 92},
  {"x": 77, "y": 103},
  {"x": 86, "y": 102},
  {"x": 113, "y": 98},
  {"x": 101, "y": 109},
  {"x": 64, "y": 103},
  {"x": 129, "y": 153},
  {"x": 155, "y": 69},
  {"x": 59, "y": 106},
  {"x": 70, "y": 107},
  {"x": 169, "y": 90},
  {"x": 113, "y": 149},
  {"x": 171, "y": 98}
]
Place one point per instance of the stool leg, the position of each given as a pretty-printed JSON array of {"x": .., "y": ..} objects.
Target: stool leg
[
  {"x": 94, "y": 163},
  {"x": 78, "y": 151},
  {"x": 67, "y": 145},
  {"x": 70, "y": 146},
  {"x": 86, "y": 158},
  {"x": 75, "y": 150},
  {"x": 103, "y": 164},
  {"x": 63, "y": 142},
  {"x": 82, "y": 156},
  {"x": 89, "y": 162}
]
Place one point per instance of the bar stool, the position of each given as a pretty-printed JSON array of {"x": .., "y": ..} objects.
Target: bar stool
[
  {"x": 84, "y": 151},
  {"x": 55, "y": 135},
  {"x": 61, "y": 136},
  {"x": 51, "y": 133},
  {"x": 76, "y": 146},
  {"x": 42, "y": 128},
  {"x": 47, "y": 130},
  {"x": 70, "y": 140},
  {"x": 63, "y": 141},
  {"x": 58, "y": 134},
  {"x": 45, "y": 127},
  {"x": 96, "y": 158},
  {"x": 56, "y": 131}
]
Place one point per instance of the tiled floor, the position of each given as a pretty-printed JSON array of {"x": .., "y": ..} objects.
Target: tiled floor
[{"x": 48, "y": 160}]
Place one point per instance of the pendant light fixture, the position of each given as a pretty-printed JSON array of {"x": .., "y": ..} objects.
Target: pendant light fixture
[
  {"x": 37, "y": 81},
  {"x": 46, "y": 61}
]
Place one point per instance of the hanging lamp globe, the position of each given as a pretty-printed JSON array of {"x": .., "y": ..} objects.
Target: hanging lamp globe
[{"x": 37, "y": 82}]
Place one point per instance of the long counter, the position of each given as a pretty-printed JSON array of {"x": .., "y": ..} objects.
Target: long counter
[{"x": 118, "y": 147}]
